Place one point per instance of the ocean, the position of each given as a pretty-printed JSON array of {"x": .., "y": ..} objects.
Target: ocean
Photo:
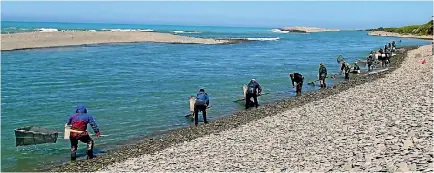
[{"x": 137, "y": 89}]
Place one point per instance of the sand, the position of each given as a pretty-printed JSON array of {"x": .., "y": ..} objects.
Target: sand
[
  {"x": 393, "y": 34},
  {"x": 382, "y": 125},
  {"x": 31, "y": 40},
  {"x": 308, "y": 29}
]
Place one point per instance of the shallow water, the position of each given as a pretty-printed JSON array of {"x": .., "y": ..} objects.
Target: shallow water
[{"x": 142, "y": 88}]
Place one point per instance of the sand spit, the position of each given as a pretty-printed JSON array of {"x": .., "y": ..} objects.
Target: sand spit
[
  {"x": 393, "y": 34},
  {"x": 31, "y": 40},
  {"x": 303, "y": 29}
]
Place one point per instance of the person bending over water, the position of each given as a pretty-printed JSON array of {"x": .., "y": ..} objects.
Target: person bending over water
[
  {"x": 253, "y": 90},
  {"x": 202, "y": 102},
  {"x": 345, "y": 67},
  {"x": 297, "y": 78},
  {"x": 78, "y": 123}
]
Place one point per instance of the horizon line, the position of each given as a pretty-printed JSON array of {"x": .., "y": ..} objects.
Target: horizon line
[
  {"x": 222, "y": 26},
  {"x": 114, "y": 23}
]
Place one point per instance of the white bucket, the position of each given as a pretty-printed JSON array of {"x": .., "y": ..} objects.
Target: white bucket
[
  {"x": 67, "y": 131},
  {"x": 244, "y": 90},
  {"x": 192, "y": 102}
]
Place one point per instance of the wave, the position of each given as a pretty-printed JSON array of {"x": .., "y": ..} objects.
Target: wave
[
  {"x": 129, "y": 30},
  {"x": 187, "y": 32},
  {"x": 279, "y": 31},
  {"x": 263, "y": 39},
  {"x": 47, "y": 29}
]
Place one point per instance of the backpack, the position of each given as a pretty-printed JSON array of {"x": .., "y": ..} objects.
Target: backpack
[
  {"x": 199, "y": 101},
  {"x": 251, "y": 89}
]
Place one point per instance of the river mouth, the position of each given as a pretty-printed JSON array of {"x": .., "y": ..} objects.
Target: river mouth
[{"x": 134, "y": 90}]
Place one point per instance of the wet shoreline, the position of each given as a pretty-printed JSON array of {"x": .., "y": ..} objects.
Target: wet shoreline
[{"x": 160, "y": 141}]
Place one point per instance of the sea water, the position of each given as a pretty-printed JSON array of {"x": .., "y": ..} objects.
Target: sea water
[{"x": 136, "y": 89}]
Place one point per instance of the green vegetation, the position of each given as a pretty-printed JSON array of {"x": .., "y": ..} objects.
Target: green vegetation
[{"x": 425, "y": 29}]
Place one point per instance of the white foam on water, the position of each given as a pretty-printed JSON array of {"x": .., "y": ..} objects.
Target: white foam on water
[
  {"x": 279, "y": 31},
  {"x": 146, "y": 30},
  {"x": 187, "y": 32},
  {"x": 47, "y": 29},
  {"x": 128, "y": 30},
  {"x": 263, "y": 39}
]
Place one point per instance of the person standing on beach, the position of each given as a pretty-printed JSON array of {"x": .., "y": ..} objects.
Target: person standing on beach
[
  {"x": 297, "y": 78},
  {"x": 322, "y": 74},
  {"x": 370, "y": 61},
  {"x": 202, "y": 102},
  {"x": 356, "y": 68},
  {"x": 253, "y": 90},
  {"x": 345, "y": 67},
  {"x": 78, "y": 123}
]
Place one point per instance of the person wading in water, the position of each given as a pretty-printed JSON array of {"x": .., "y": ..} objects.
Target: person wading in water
[
  {"x": 322, "y": 74},
  {"x": 370, "y": 61},
  {"x": 297, "y": 78},
  {"x": 202, "y": 102},
  {"x": 78, "y": 123},
  {"x": 345, "y": 67},
  {"x": 253, "y": 90}
]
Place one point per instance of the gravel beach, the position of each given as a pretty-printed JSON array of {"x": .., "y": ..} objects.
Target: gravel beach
[
  {"x": 384, "y": 125},
  {"x": 31, "y": 40},
  {"x": 378, "y": 122},
  {"x": 393, "y": 34}
]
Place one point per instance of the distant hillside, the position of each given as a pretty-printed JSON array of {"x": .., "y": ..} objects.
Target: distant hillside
[{"x": 425, "y": 29}]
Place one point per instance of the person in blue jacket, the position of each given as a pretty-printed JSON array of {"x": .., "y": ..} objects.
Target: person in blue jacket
[
  {"x": 202, "y": 102},
  {"x": 78, "y": 123},
  {"x": 253, "y": 91}
]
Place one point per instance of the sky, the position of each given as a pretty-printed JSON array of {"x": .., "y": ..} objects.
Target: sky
[{"x": 337, "y": 14}]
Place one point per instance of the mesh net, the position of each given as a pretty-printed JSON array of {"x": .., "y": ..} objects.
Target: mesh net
[{"x": 33, "y": 135}]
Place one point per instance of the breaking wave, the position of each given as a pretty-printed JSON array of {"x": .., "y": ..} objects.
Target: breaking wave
[
  {"x": 129, "y": 30},
  {"x": 186, "y": 32},
  {"x": 47, "y": 29}
]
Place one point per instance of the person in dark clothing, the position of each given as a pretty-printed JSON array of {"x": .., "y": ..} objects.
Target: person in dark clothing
[
  {"x": 202, "y": 102},
  {"x": 356, "y": 68},
  {"x": 253, "y": 90},
  {"x": 381, "y": 51},
  {"x": 322, "y": 75},
  {"x": 297, "y": 78},
  {"x": 385, "y": 48},
  {"x": 390, "y": 46},
  {"x": 370, "y": 61},
  {"x": 78, "y": 123},
  {"x": 393, "y": 45},
  {"x": 345, "y": 67},
  {"x": 388, "y": 56}
]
